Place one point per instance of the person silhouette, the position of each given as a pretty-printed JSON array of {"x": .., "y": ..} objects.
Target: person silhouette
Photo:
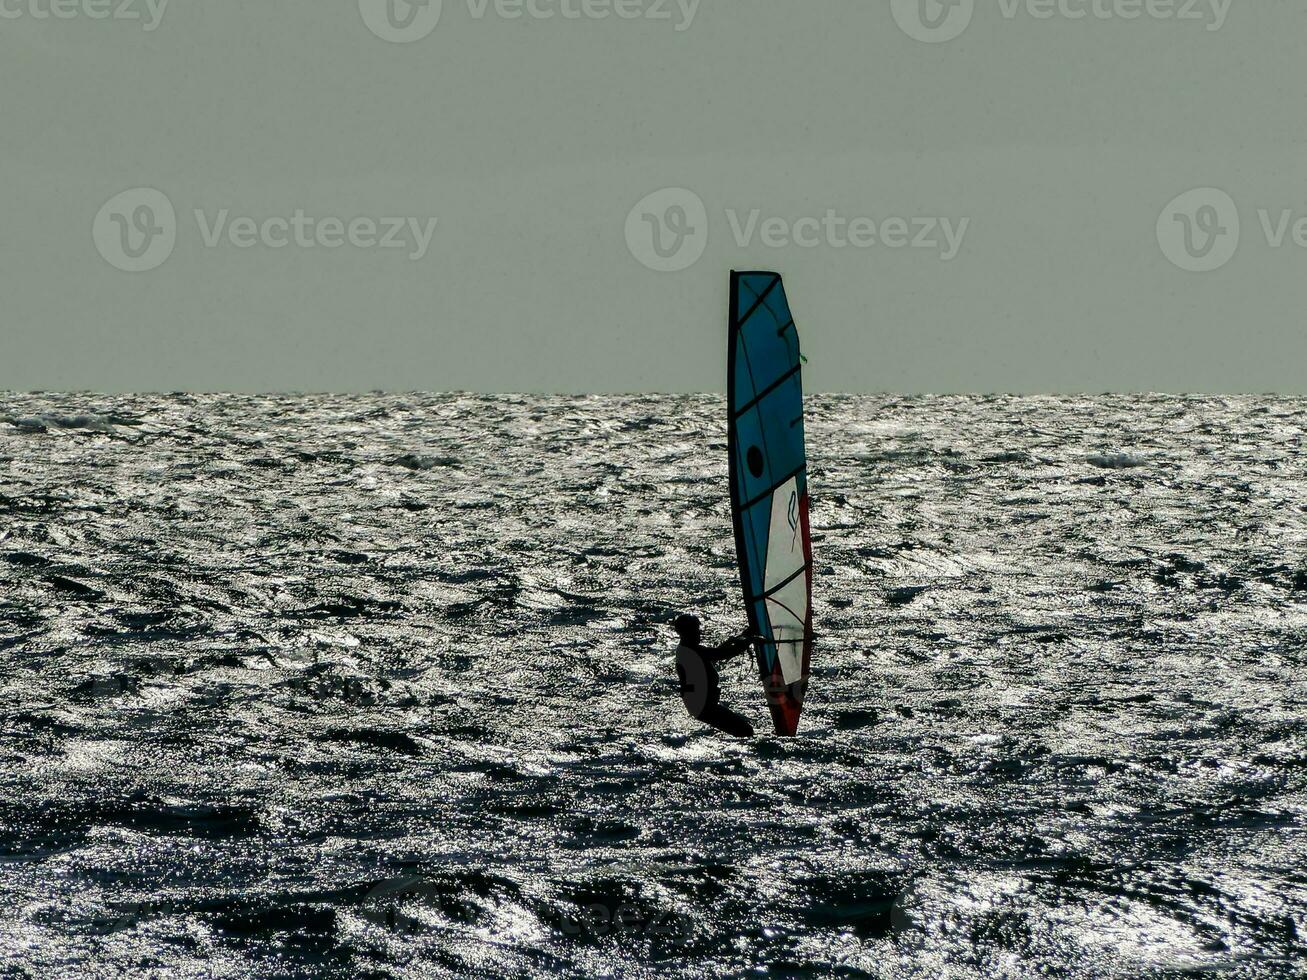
[{"x": 696, "y": 669}]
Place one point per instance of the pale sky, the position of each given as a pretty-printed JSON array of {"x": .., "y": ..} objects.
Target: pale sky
[{"x": 990, "y": 211}]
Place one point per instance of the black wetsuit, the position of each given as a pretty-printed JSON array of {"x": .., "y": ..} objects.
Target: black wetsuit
[{"x": 696, "y": 668}]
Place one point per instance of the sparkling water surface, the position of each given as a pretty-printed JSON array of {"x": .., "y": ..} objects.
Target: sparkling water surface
[{"x": 381, "y": 686}]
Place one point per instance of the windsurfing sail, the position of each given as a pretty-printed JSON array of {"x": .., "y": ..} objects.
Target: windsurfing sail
[{"x": 769, "y": 487}]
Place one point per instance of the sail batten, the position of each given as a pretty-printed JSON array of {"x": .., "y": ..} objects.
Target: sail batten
[{"x": 769, "y": 487}]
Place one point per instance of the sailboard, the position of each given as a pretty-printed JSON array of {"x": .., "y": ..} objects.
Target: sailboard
[{"x": 769, "y": 487}]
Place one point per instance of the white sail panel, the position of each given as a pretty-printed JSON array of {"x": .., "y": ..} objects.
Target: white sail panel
[{"x": 786, "y": 580}]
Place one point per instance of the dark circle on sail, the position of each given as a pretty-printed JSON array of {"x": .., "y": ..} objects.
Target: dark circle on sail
[{"x": 755, "y": 461}]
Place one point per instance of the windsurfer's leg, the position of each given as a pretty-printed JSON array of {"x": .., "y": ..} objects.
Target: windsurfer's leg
[{"x": 726, "y": 720}]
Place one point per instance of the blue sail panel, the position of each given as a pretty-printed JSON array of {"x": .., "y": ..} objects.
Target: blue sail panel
[{"x": 769, "y": 483}]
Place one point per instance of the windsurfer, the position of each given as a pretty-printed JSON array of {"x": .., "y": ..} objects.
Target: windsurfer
[{"x": 696, "y": 668}]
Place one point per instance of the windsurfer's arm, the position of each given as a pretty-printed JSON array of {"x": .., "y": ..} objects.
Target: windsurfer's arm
[{"x": 732, "y": 648}]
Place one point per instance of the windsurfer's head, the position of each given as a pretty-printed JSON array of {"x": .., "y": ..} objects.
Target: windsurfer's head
[{"x": 687, "y": 628}]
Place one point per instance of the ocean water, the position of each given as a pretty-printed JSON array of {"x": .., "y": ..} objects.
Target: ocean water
[{"x": 381, "y": 686}]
